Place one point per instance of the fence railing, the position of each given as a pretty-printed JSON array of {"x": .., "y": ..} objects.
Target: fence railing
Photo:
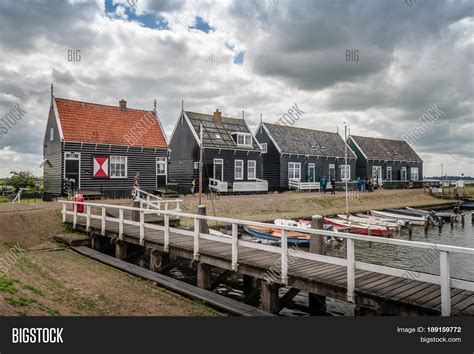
[
  {"x": 148, "y": 200},
  {"x": 218, "y": 186},
  {"x": 444, "y": 279}
]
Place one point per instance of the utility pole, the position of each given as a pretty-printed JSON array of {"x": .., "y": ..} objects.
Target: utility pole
[
  {"x": 345, "y": 168},
  {"x": 200, "y": 165}
]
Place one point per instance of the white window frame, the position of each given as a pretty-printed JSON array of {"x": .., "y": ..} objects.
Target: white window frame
[
  {"x": 218, "y": 162},
  {"x": 345, "y": 172},
  {"x": 417, "y": 174},
  {"x": 331, "y": 167},
  {"x": 241, "y": 167},
  {"x": 312, "y": 165},
  {"x": 72, "y": 156},
  {"x": 112, "y": 163},
  {"x": 376, "y": 168},
  {"x": 293, "y": 167},
  {"x": 389, "y": 169},
  {"x": 162, "y": 161},
  {"x": 404, "y": 169},
  {"x": 246, "y": 139},
  {"x": 264, "y": 148},
  {"x": 51, "y": 134},
  {"x": 254, "y": 176}
]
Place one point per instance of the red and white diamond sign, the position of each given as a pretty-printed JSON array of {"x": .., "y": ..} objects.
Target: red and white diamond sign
[{"x": 101, "y": 166}]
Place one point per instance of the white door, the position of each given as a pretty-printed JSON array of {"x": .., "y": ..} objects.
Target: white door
[{"x": 377, "y": 173}]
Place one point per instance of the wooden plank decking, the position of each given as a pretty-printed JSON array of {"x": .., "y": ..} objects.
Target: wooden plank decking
[{"x": 394, "y": 295}]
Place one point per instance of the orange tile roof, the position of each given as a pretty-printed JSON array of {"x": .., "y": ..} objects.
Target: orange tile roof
[{"x": 100, "y": 124}]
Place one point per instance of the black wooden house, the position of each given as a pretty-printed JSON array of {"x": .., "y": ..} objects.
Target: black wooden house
[
  {"x": 231, "y": 155},
  {"x": 299, "y": 158},
  {"x": 91, "y": 147},
  {"x": 391, "y": 163}
]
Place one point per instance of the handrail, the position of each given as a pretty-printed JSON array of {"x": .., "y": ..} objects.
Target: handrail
[{"x": 443, "y": 279}]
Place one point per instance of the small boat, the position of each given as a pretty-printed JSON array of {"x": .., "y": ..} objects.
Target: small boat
[
  {"x": 361, "y": 229},
  {"x": 382, "y": 220},
  {"x": 371, "y": 221},
  {"x": 466, "y": 205},
  {"x": 274, "y": 234},
  {"x": 415, "y": 220}
]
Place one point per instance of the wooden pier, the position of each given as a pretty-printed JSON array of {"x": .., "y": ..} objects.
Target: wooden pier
[{"x": 265, "y": 269}]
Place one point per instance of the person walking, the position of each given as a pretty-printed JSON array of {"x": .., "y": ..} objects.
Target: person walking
[
  {"x": 333, "y": 186},
  {"x": 324, "y": 183},
  {"x": 136, "y": 185}
]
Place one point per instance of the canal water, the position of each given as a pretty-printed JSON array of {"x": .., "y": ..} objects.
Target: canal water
[{"x": 411, "y": 259}]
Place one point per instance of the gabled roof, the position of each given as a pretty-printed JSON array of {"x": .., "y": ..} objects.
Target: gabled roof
[
  {"x": 303, "y": 141},
  {"x": 385, "y": 149},
  {"x": 100, "y": 124},
  {"x": 220, "y": 136}
]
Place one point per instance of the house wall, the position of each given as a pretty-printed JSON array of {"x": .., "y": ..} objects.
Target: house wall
[
  {"x": 52, "y": 150},
  {"x": 270, "y": 160},
  {"x": 138, "y": 160}
]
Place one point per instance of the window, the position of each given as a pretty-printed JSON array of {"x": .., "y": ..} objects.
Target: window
[
  {"x": 219, "y": 169},
  {"x": 403, "y": 176},
  {"x": 345, "y": 172},
  {"x": 332, "y": 171},
  {"x": 389, "y": 173},
  {"x": 239, "y": 169},
  {"x": 414, "y": 173},
  {"x": 377, "y": 173},
  {"x": 118, "y": 167},
  {"x": 51, "y": 134},
  {"x": 161, "y": 166},
  {"x": 294, "y": 170},
  {"x": 264, "y": 148},
  {"x": 244, "y": 139},
  {"x": 252, "y": 169}
]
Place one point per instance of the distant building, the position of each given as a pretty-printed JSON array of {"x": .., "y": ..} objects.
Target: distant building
[
  {"x": 386, "y": 161},
  {"x": 304, "y": 155},
  {"x": 231, "y": 155},
  {"x": 95, "y": 147}
]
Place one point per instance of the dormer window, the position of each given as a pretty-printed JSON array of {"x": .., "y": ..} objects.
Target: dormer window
[{"x": 244, "y": 139}]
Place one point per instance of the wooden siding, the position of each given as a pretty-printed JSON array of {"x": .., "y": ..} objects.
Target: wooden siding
[
  {"x": 139, "y": 159},
  {"x": 52, "y": 150},
  {"x": 270, "y": 160}
]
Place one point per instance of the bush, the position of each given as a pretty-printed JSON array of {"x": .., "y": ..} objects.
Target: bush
[{"x": 22, "y": 179}]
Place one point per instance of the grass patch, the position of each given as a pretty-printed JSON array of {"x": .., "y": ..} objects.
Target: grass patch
[
  {"x": 20, "y": 302},
  {"x": 32, "y": 289},
  {"x": 6, "y": 285}
]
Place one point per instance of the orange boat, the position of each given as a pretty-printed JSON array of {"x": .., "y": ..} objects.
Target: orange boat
[{"x": 274, "y": 234}]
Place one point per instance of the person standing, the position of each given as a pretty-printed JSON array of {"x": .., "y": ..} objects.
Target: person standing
[
  {"x": 333, "y": 185},
  {"x": 324, "y": 183},
  {"x": 136, "y": 185}
]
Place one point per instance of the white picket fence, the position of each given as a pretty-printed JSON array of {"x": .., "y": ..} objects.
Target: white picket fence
[{"x": 444, "y": 279}]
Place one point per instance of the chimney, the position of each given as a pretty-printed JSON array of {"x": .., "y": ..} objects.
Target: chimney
[
  {"x": 217, "y": 117},
  {"x": 123, "y": 105}
]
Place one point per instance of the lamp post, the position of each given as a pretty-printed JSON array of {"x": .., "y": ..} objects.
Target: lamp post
[{"x": 345, "y": 170}]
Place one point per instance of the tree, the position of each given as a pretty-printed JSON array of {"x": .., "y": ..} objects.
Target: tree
[{"x": 21, "y": 179}]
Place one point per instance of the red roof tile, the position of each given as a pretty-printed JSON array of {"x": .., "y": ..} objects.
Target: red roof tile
[{"x": 101, "y": 124}]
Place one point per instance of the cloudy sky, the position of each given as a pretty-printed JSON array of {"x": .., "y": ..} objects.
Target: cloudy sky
[{"x": 378, "y": 65}]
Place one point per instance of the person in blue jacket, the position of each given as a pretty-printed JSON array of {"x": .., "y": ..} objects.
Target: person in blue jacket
[{"x": 324, "y": 183}]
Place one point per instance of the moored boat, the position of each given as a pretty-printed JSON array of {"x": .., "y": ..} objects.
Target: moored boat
[
  {"x": 380, "y": 219},
  {"x": 274, "y": 234},
  {"x": 415, "y": 220},
  {"x": 370, "y": 221},
  {"x": 361, "y": 229}
]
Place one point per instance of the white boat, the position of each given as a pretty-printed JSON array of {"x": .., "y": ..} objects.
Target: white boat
[
  {"x": 415, "y": 220},
  {"x": 291, "y": 223},
  {"x": 382, "y": 220},
  {"x": 371, "y": 221}
]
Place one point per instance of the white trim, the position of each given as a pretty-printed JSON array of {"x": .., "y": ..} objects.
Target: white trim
[
  {"x": 388, "y": 168},
  {"x": 110, "y": 167},
  {"x": 72, "y": 159},
  {"x": 255, "y": 170},
  {"x": 299, "y": 168},
  {"x": 264, "y": 151},
  {"x": 166, "y": 165},
  {"x": 358, "y": 147},
  {"x": 271, "y": 138},
  {"x": 244, "y": 135},
  {"x": 235, "y": 172},
  {"x": 161, "y": 127},
  {"x": 190, "y": 126},
  {"x": 348, "y": 167},
  {"x": 404, "y": 168},
  {"x": 58, "y": 121},
  {"x": 218, "y": 162}
]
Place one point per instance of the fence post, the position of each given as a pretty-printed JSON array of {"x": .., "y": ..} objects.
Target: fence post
[
  {"x": 148, "y": 201},
  {"x": 445, "y": 280},
  {"x": 120, "y": 224},
  {"x": 103, "y": 222},
  {"x": 350, "y": 270},
  {"x": 142, "y": 227},
  {"x": 64, "y": 212},
  {"x": 284, "y": 257},
  {"x": 196, "y": 238},
  {"x": 167, "y": 233},
  {"x": 74, "y": 220},
  {"x": 235, "y": 249},
  {"x": 88, "y": 218}
]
